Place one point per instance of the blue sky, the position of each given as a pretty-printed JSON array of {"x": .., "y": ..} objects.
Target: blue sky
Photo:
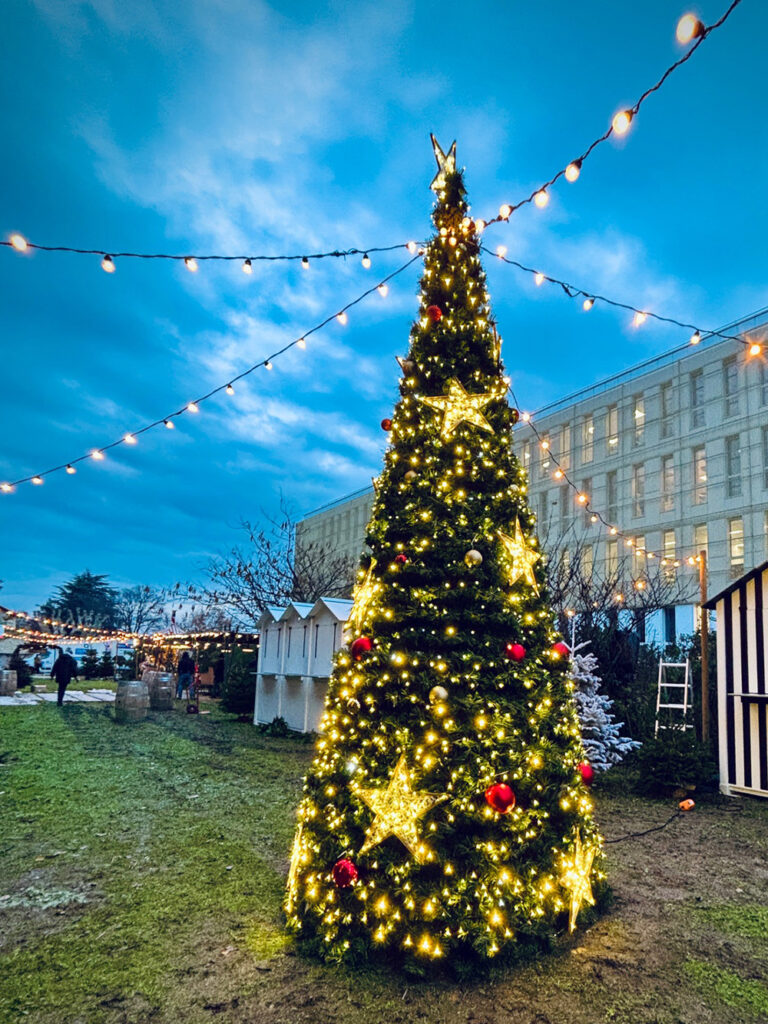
[{"x": 241, "y": 126}]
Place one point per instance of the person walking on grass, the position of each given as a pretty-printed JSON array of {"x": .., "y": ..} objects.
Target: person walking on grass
[
  {"x": 64, "y": 671},
  {"x": 186, "y": 671}
]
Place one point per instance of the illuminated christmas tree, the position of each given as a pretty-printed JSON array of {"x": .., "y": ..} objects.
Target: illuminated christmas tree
[{"x": 445, "y": 815}]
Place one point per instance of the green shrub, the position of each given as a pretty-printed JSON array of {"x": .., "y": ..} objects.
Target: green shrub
[
  {"x": 277, "y": 727},
  {"x": 238, "y": 691},
  {"x": 22, "y": 670},
  {"x": 675, "y": 760},
  {"x": 89, "y": 667}
]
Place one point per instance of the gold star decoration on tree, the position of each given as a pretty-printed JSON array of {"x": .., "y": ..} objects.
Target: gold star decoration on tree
[
  {"x": 366, "y": 592},
  {"x": 458, "y": 406},
  {"x": 397, "y": 810},
  {"x": 446, "y": 164},
  {"x": 577, "y": 879},
  {"x": 522, "y": 557},
  {"x": 297, "y": 854}
]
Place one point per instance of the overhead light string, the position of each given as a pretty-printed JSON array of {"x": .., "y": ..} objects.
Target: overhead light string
[
  {"x": 688, "y": 28},
  {"x": 589, "y": 298},
  {"x": 98, "y": 454}
]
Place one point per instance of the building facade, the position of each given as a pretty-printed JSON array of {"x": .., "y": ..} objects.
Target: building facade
[{"x": 673, "y": 453}]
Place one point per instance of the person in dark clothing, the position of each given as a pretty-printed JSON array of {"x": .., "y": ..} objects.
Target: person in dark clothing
[
  {"x": 186, "y": 671},
  {"x": 64, "y": 671}
]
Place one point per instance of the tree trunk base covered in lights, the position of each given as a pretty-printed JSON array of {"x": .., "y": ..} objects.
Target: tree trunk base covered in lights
[{"x": 445, "y": 818}]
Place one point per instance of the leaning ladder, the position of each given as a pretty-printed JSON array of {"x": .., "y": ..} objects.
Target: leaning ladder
[{"x": 687, "y": 696}]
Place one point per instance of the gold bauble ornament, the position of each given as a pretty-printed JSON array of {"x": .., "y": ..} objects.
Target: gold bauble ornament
[
  {"x": 410, "y": 476},
  {"x": 438, "y": 694},
  {"x": 473, "y": 558}
]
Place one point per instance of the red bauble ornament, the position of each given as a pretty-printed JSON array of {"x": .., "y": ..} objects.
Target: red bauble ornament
[
  {"x": 500, "y": 797},
  {"x": 401, "y": 559},
  {"x": 515, "y": 652},
  {"x": 586, "y": 771},
  {"x": 386, "y": 424},
  {"x": 434, "y": 313},
  {"x": 360, "y": 647},
  {"x": 344, "y": 873},
  {"x": 560, "y": 649}
]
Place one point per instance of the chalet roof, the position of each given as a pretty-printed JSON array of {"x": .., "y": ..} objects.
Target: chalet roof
[
  {"x": 752, "y": 574},
  {"x": 337, "y": 606},
  {"x": 300, "y": 609}
]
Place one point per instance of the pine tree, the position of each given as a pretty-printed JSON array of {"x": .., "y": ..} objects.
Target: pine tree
[
  {"x": 89, "y": 667},
  {"x": 444, "y": 815},
  {"x": 600, "y": 733}
]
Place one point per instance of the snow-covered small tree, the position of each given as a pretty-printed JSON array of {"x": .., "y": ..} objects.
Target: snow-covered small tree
[{"x": 600, "y": 736}]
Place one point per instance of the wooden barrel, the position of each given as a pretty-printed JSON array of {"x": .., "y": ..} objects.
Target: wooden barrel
[
  {"x": 161, "y": 691},
  {"x": 131, "y": 700}
]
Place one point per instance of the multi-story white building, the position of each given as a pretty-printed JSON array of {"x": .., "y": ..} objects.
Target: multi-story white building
[{"x": 673, "y": 452}]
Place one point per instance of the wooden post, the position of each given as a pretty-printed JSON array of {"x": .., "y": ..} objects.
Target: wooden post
[{"x": 704, "y": 648}]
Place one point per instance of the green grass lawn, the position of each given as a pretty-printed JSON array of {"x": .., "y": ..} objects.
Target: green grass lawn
[
  {"x": 81, "y": 684},
  {"x": 142, "y": 871}
]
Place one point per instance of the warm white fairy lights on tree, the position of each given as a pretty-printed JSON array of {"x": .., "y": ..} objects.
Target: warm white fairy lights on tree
[{"x": 446, "y": 813}]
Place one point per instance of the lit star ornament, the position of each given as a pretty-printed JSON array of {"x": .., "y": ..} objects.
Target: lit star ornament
[
  {"x": 577, "y": 879},
  {"x": 446, "y": 164},
  {"x": 522, "y": 557},
  {"x": 366, "y": 592},
  {"x": 458, "y": 406},
  {"x": 297, "y": 859},
  {"x": 397, "y": 810}
]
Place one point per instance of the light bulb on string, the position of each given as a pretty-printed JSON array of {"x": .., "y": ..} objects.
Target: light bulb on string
[
  {"x": 108, "y": 265},
  {"x": 169, "y": 424},
  {"x": 366, "y": 261},
  {"x": 129, "y": 439},
  {"x": 573, "y": 170},
  {"x": 301, "y": 343},
  {"x": 695, "y": 338},
  {"x": 587, "y": 304},
  {"x": 411, "y": 247},
  {"x": 229, "y": 389},
  {"x": 541, "y": 198},
  {"x": 19, "y": 243},
  {"x": 191, "y": 264},
  {"x": 621, "y": 122},
  {"x": 247, "y": 267},
  {"x": 37, "y": 480},
  {"x": 6, "y": 488},
  {"x": 501, "y": 251},
  {"x": 304, "y": 263},
  {"x": 97, "y": 454},
  {"x": 639, "y": 319},
  {"x": 504, "y": 211},
  {"x": 539, "y": 278},
  {"x": 342, "y": 317},
  {"x": 267, "y": 365},
  {"x": 689, "y": 27},
  {"x": 383, "y": 290},
  {"x": 193, "y": 407},
  {"x": 479, "y": 226},
  {"x": 70, "y": 469},
  {"x": 755, "y": 349}
]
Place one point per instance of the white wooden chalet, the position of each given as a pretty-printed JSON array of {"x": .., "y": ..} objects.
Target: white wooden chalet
[
  {"x": 742, "y": 683},
  {"x": 296, "y": 652}
]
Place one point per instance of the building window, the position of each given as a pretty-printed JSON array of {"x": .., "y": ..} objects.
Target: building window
[
  {"x": 732, "y": 466},
  {"x": 736, "y": 546},
  {"x": 612, "y": 495},
  {"x": 638, "y": 555},
  {"x": 699, "y": 475},
  {"x": 612, "y": 557},
  {"x": 765, "y": 456},
  {"x": 669, "y": 548},
  {"x": 763, "y": 383},
  {"x": 565, "y": 446},
  {"x": 638, "y": 420},
  {"x": 612, "y": 429},
  {"x": 731, "y": 386},
  {"x": 564, "y": 497},
  {"x": 638, "y": 490},
  {"x": 670, "y": 633},
  {"x": 546, "y": 459},
  {"x": 701, "y": 538},
  {"x": 526, "y": 454},
  {"x": 697, "y": 398},
  {"x": 587, "y": 561},
  {"x": 587, "y": 438},
  {"x": 565, "y": 561},
  {"x": 543, "y": 509},
  {"x": 667, "y": 411},
  {"x": 667, "y": 483}
]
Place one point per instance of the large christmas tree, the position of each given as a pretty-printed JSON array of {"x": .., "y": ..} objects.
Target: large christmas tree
[{"x": 445, "y": 813}]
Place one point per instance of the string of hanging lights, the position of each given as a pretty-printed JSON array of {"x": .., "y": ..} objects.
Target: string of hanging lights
[
  {"x": 191, "y": 262},
  {"x": 193, "y": 407},
  {"x": 582, "y": 500},
  {"x": 9, "y": 613},
  {"x": 589, "y": 298},
  {"x": 689, "y": 29}
]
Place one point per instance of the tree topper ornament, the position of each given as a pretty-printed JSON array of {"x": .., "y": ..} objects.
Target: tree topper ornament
[{"x": 446, "y": 164}]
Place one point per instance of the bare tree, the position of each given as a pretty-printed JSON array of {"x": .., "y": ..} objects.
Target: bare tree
[
  {"x": 141, "y": 609},
  {"x": 269, "y": 568}
]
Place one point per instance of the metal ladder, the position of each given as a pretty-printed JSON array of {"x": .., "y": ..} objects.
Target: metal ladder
[{"x": 687, "y": 696}]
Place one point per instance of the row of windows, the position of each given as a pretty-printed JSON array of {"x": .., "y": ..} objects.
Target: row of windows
[
  {"x": 698, "y": 480},
  {"x": 697, "y": 406},
  {"x": 615, "y": 549}
]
